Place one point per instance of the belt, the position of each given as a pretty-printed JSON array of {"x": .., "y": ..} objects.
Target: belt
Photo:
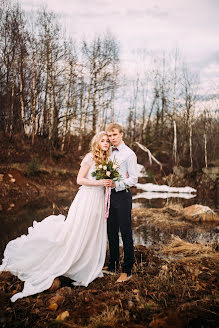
[{"x": 117, "y": 192}]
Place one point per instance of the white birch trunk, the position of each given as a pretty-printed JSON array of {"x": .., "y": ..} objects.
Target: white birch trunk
[
  {"x": 100, "y": 113},
  {"x": 151, "y": 157},
  {"x": 51, "y": 109},
  {"x": 206, "y": 154},
  {"x": 83, "y": 116},
  {"x": 66, "y": 110},
  {"x": 21, "y": 96},
  {"x": 112, "y": 106},
  {"x": 174, "y": 142},
  {"x": 33, "y": 102},
  {"x": 190, "y": 145},
  {"x": 12, "y": 100}
]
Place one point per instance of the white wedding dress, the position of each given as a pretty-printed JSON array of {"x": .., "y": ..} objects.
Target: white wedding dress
[{"x": 74, "y": 247}]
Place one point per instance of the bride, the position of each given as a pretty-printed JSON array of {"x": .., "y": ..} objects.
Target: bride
[{"x": 74, "y": 246}]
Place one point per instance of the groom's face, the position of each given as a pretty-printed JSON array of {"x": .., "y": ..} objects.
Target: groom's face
[{"x": 115, "y": 137}]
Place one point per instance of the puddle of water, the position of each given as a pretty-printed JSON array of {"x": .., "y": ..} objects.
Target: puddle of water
[
  {"x": 16, "y": 224},
  {"x": 147, "y": 234},
  {"x": 162, "y": 202},
  {"x": 150, "y": 235}
]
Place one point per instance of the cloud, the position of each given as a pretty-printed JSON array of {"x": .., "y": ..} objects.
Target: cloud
[
  {"x": 154, "y": 11},
  {"x": 148, "y": 26},
  {"x": 215, "y": 57}
]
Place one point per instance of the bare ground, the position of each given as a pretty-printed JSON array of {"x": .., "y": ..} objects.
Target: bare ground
[{"x": 165, "y": 291}]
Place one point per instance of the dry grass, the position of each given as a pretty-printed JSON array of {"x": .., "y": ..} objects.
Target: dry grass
[
  {"x": 108, "y": 318},
  {"x": 166, "y": 218},
  {"x": 205, "y": 217},
  {"x": 179, "y": 247}
]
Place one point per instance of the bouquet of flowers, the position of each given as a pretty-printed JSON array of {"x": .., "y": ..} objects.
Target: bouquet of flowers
[{"x": 107, "y": 170}]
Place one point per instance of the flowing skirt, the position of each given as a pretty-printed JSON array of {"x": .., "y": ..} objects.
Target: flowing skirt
[{"x": 74, "y": 247}]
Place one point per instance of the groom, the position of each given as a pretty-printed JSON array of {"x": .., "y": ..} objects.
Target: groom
[{"x": 121, "y": 203}]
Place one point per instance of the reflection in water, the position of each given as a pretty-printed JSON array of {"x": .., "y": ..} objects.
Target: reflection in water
[
  {"x": 147, "y": 234},
  {"x": 14, "y": 225},
  {"x": 161, "y": 202},
  {"x": 153, "y": 195}
]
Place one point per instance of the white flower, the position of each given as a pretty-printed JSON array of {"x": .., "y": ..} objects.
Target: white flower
[
  {"x": 115, "y": 166},
  {"x": 100, "y": 166},
  {"x": 105, "y": 167},
  {"x": 108, "y": 173}
]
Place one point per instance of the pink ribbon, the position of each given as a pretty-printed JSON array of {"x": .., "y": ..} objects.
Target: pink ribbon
[{"x": 107, "y": 201}]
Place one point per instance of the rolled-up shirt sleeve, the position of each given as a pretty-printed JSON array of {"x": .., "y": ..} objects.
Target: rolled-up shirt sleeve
[{"x": 132, "y": 172}]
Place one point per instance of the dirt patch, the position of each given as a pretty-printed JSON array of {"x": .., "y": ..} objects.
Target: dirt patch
[{"x": 17, "y": 188}]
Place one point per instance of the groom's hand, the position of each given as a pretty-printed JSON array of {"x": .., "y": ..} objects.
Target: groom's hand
[
  {"x": 112, "y": 184},
  {"x": 106, "y": 182}
]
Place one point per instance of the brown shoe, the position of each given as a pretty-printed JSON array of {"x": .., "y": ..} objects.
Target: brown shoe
[
  {"x": 124, "y": 277},
  {"x": 109, "y": 272}
]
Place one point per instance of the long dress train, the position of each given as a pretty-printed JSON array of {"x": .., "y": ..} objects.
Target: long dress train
[{"x": 74, "y": 247}]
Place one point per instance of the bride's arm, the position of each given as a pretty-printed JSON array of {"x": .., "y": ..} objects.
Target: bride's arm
[{"x": 82, "y": 180}]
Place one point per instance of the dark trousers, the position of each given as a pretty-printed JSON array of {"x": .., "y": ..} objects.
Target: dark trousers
[{"x": 120, "y": 219}]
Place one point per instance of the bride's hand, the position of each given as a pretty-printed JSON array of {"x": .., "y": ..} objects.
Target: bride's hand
[
  {"x": 106, "y": 182},
  {"x": 110, "y": 183}
]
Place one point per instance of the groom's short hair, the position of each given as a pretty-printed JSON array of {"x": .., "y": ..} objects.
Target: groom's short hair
[{"x": 112, "y": 126}]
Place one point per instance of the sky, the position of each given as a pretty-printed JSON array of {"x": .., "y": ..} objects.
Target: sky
[{"x": 148, "y": 26}]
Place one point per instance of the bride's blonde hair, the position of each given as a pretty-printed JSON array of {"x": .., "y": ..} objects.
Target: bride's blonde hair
[{"x": 99, "y": 155}]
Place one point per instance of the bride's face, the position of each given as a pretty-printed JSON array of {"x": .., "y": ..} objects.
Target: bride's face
[{"x": 104, "y": 143}]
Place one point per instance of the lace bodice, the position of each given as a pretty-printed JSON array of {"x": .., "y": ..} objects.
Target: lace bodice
[{"x": 89, "y": 160}]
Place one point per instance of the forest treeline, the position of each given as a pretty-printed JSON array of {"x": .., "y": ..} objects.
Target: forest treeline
[{"x": 54, "y": 88}]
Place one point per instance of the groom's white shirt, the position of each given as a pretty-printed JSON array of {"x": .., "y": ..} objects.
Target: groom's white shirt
[{"x": 127, "y": 161}]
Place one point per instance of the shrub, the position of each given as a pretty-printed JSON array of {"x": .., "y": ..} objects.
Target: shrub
[
  {"x": 33, "y": 167},
  {"x": 150, "y": 175}
]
